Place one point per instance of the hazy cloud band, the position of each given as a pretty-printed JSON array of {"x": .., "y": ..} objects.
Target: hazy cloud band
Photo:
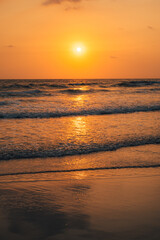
[{"x": 48, "y": 2}]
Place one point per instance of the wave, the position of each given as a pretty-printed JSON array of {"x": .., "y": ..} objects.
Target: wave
[
  {"x": 29, "y": 93},
  {"x": 38, "y": 85},
  {"x": 83, "y": 84},
  {"x": 66, "y": 90},
  {"x": 80, "y": 170},
  {"x": 34, "y": 86},
  {"x": 6, "y": 103},
  {"x": 120, "y": 110},
  {"x": 16, "y": 86},
  {"x": 27, "y": 88},
  {"x": 77, "y": 91},
  {"x": 140, "y": 83},
  {"x": 75, "y": 150}
]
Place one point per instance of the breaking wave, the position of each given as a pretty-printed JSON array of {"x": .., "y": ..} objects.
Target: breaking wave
[
  {"x": 75, "y": 150},
  {"x": 12, "y": 115}
]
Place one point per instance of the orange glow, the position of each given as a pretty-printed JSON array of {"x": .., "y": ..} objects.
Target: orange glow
[
  {"x": 87, "y": 39},
  {"x": 79, "y": 49}
]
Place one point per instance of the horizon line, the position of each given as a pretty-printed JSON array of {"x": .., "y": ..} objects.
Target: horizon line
[{"x": 146, "y": 78}]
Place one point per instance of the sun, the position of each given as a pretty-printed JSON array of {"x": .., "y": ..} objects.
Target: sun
[{"x": 78, "y": 49}]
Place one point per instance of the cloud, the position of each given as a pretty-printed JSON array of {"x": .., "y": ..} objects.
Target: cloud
[
  {"x": 49, "y": 2},
  {"x": 10, "y": 46},
  {"x": 150, "y": 27},
  {"x": 113, "y": 57},
  {"x": 72, "y": 8}
]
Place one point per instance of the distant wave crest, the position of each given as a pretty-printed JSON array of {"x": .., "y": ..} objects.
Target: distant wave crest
[
  {"x": 5, "y": 103},
  {"x": 29, "y": 93},
  {"x": 140, "y": 83},
  {"x": 77, "y": 91}
]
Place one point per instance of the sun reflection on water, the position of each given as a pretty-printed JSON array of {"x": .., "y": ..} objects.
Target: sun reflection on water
[
  {"x": 79, "y": 129},
  {"x": 81, "y": 99},
  {"x": 80, "y": 175}
]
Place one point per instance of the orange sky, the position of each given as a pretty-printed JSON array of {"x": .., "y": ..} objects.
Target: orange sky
[{"x": 121, "y": 38}]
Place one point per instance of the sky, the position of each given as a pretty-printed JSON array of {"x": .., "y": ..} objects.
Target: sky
[{"x": 79, "y": 39}]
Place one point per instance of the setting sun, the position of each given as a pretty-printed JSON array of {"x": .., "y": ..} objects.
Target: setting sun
[{"x": 78, "y": 49}]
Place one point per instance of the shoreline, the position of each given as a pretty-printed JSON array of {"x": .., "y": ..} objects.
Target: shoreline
[
  {"x": 112, "y": 204},
  {"x": 142, "y": 157}
]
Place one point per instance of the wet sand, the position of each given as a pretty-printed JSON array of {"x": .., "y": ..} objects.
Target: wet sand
[{"x": 101, "y": 204}]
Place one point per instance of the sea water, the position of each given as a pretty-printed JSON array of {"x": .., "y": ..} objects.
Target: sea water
[
  {"x": 80, "y": 159},
  {"x": 44, "y": 121}
]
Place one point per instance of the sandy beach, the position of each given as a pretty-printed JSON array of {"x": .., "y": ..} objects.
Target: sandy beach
[
  {"x": 116, "y": 204},
  {"x": 79, "y": 160}
]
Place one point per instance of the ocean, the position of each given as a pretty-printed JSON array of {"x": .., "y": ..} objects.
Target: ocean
[
  {"x": 43, "y": 121},
  {"x": 80, "y": 159}
]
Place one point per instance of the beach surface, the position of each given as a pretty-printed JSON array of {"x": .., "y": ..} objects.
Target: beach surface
[
  {"x": 95, "y": 204},
  {"x": 80, "y": 159}
]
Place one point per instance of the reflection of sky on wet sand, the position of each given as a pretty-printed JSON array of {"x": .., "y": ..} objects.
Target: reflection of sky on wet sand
[{"x": 79, "y": 208}]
